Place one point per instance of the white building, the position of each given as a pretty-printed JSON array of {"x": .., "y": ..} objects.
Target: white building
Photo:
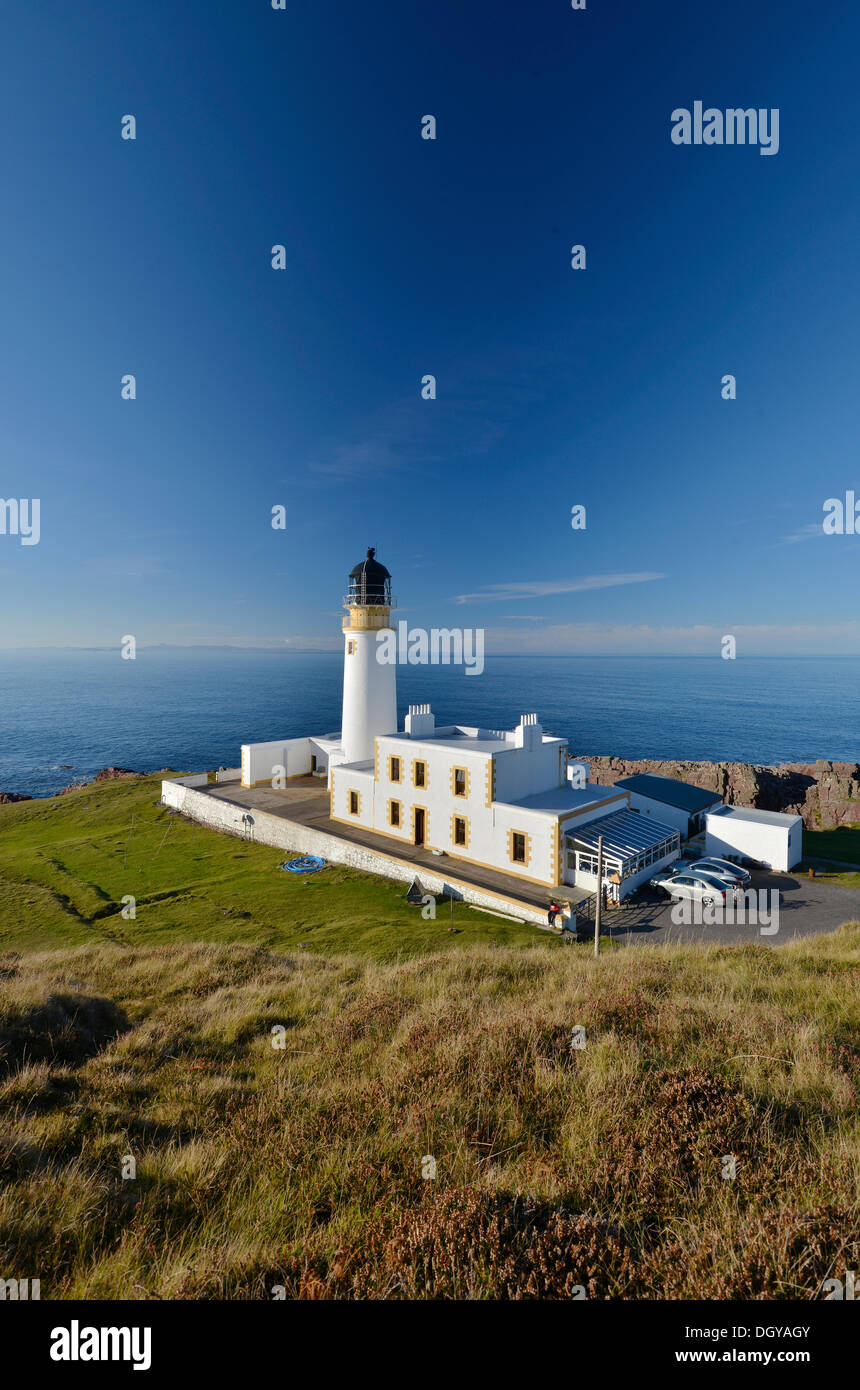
[
  {"x": 771, "y": 838},
  {"x": 500, "y": 799},
  {"x": 675, "y": 803}
]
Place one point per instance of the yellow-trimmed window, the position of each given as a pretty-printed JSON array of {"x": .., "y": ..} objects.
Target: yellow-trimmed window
[
  {"x": 394, "y": 769},
  {"x": 354, "y": 800},
  {"x": 419, "y": 773},
  {"x": 519, "y": 847},
  {"x": 460, "y": 781},
  {"x": 394, "y": 813},
  {"x": 461, "y": 831}
]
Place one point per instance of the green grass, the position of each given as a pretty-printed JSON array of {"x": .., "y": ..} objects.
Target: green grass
[
  {"x": 67, "y": 862},
  {"x": 842, "y": 843}
]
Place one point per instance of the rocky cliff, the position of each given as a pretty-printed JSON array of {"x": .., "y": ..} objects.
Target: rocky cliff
[{"x": 824, "y": 794}]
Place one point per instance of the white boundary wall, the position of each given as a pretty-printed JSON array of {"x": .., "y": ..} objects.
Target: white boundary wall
[
  {"x": 300, "y": 839},
  {"x": 259, "y": 760}
]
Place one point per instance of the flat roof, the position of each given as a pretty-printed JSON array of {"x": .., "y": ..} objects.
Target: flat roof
[
  {"x": 468, "y": 742},
  {"x": 625, "y": 834},
  {"x": 558, "y": 800},
  {"x": 471, "y": 738},
  {"x": 752, "y": 813},
  {"x": 463, "y": 739},
  {"x": 671, "y": 793}
]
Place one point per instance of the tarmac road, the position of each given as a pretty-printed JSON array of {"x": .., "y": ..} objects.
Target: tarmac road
[{"x": 806, "y": 907}]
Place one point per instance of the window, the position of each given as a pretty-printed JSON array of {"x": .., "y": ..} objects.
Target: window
[
  {"x": 394, "y": 769},
  {"x": 420, "y": 775},
  {"x": 459, "y": 781},
  {"x": 459, "y": 830},
  {"x": 518, "y": 847},
  {"x": 394, "y": 813},
  {"x": 587, "y": 863},
  {"x": 353, "y": 803}
]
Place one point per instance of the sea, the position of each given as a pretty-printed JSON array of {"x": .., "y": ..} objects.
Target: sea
[{"x": 64, "y": 714}]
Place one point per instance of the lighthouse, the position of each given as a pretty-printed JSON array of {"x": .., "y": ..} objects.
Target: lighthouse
[{"x": 369, "y": 685}]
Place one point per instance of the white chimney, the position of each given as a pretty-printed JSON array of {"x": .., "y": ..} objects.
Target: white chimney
[
  {"x": 420, "y": 723},
  {"x": 528, "y": 733}
]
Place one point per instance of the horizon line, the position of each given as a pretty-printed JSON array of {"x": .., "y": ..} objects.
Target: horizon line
[{"x": 286, "y": 650}]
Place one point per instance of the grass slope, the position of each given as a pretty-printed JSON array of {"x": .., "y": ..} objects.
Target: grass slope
[
  {"x": 67, "y": 862},
  {"x": 300, "y": 1168}
]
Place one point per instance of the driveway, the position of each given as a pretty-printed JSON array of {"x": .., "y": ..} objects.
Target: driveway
[{"x": 806, "y": 908}]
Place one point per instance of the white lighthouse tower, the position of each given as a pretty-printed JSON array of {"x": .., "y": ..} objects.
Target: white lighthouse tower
[{"x": 369, "y": 685}]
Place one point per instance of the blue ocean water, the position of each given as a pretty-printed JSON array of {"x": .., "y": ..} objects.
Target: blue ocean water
[{"x": 65, "y": 714}]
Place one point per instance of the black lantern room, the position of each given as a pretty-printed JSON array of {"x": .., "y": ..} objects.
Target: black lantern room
[{"x": 369, "y": 582}]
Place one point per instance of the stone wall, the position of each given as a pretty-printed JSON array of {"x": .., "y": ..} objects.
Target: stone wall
[
  {"x": 297, "y": 839},
  {"x": 825, "y": 794}
]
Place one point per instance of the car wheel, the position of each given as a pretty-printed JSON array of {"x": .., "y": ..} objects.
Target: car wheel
[{"x": 706, "y": 902}]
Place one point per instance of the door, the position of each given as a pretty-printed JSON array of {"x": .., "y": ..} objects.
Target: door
[{"x": 418, "y": 824}]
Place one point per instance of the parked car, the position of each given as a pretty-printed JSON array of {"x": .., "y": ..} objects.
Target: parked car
[
  {"x": 689, "y": 885},
  {"x": 721, "y": 868}
]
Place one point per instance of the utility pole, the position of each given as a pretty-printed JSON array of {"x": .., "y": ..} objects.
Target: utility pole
[{"x": 599, "y": 899}]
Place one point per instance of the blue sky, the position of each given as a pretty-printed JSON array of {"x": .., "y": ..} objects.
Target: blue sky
[{"x": 556, "y": 387}]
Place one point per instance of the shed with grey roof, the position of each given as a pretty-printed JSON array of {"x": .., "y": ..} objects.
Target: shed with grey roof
[{"x": 677, "y": 803}]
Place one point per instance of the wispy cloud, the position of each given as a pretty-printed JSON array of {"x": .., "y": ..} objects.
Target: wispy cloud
[
  {"x": 409, "y": 435},
  {"x": 806, "y": 533},
  {"x": 542, "y": 588}
]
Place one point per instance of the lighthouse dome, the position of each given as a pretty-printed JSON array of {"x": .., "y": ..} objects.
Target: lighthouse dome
[{"x": 369, "y": 581}]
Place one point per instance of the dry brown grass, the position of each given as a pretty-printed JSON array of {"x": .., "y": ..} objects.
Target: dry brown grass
[{"x": 555, "y": 1168}]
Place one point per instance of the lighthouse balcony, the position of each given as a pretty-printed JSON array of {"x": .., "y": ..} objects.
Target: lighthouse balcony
[{"x": 356, "y": 599}]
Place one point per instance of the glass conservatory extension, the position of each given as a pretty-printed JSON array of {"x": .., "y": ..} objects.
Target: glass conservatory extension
[{"x": 634, "y": 846}]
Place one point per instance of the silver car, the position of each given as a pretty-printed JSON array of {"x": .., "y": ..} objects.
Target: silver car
[
  {"x": 693, "y": 885},
  {"x": 722, "y": 869}
]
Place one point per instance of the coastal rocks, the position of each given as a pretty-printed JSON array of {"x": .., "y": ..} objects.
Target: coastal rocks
[
  {"x": 825, "y": 794},
  {"x": 7, "y": 798},
  {"x": 107, "y": 774}
]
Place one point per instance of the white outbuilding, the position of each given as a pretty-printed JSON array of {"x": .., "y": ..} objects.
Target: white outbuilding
[{"x": 771, "y": 838}]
